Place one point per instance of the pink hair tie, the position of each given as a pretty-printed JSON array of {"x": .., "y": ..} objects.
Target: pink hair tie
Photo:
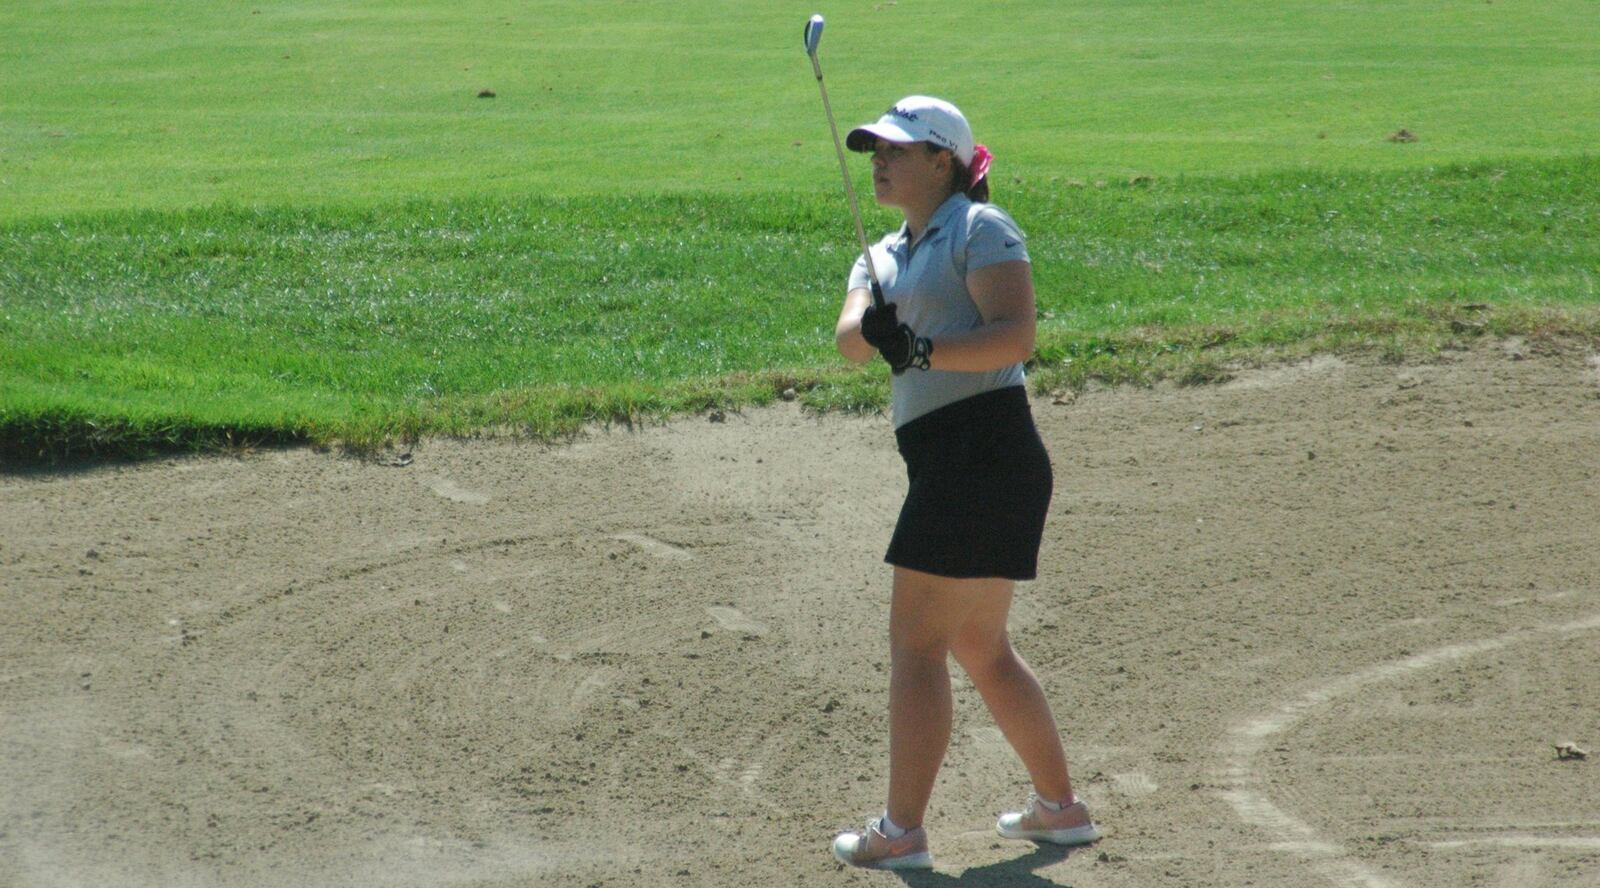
[{"x": 981, "y": 158}]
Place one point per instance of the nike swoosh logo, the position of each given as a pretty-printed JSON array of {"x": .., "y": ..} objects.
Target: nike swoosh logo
[{"x": 1012, "y": 243}]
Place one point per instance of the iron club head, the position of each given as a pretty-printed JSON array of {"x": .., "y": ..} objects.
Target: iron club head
[{"x": 813, "y": 34}]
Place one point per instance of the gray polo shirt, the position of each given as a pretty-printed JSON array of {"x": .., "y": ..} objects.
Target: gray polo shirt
[{"x": 928, "y": 285}]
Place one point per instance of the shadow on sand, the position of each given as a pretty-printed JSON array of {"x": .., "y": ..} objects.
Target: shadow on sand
[{"x": 1015, "y": 873}]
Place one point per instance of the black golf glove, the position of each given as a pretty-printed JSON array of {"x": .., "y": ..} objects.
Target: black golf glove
[
  {"x": 901, "y": 348},
  {"x": 879, "y": 324}
]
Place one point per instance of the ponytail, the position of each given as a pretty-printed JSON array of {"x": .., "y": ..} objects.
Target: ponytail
[
  {"x": 977, "y": 192},
  {"x": 969, "y": 179}
]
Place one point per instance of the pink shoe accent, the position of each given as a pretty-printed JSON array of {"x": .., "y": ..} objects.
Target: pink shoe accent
[
  {"x": 1069, "y": 826},
  {"x": 872, "y": 849}
]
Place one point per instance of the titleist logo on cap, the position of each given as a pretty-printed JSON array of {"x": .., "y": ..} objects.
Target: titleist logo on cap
[{"x": 933, "y": 134}]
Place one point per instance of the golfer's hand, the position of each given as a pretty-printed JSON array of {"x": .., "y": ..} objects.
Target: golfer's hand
[
  {"x": 901, "y": 348},
  {"x": 880, "y": 325}
]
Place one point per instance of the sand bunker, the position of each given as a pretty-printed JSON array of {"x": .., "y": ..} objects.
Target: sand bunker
[{"x": 1321, "y": 625}]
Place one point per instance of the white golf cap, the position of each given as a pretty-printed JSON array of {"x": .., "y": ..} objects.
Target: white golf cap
[{"x": 918, "y": 119}]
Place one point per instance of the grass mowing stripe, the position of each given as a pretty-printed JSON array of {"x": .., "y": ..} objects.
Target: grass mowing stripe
[{"x": 132, "y": 330}]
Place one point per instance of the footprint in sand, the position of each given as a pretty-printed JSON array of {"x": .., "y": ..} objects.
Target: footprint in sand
[
  {"x": 988, "y": 739},
  {"x": 745, "y": 775},
  {"x": 653, "y": 546},
  {"x": 451, "y": 491},
  {"x": 1133, "y": 783},
  {"x": 734, "y": 620},
  {"x": 592, "y": 684}
]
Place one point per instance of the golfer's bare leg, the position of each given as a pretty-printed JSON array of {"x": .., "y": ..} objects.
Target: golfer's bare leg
[
  {"x": 1012, "y": 692},
  {"x": 924, "y": 616}
]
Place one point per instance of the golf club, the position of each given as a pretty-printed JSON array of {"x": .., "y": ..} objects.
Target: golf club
[{"x": 814, "y": 37}]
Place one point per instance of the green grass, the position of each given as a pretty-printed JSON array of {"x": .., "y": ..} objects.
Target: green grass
[
  {"x": 296, "y": 221},
  {"x": 147, "y": 329},
  {"x": 171, "y": 104}
]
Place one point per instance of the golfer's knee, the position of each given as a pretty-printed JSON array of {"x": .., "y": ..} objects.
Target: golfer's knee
[{"x": 988, "y": 662}]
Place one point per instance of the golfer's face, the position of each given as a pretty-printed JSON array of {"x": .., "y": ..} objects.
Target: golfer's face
[{"x": 903, "y": 174}]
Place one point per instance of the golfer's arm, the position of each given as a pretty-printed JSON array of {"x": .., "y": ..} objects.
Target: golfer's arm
[
  {"x": 847, "y": 333},
  {"x": 1004, "y": 296}
]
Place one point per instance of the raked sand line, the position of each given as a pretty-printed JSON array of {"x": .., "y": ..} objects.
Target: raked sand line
[
  {"x": 653, "y": 546},
  {"x": 1247, "y": 738},
  {"x": 1575, "y": 843}
]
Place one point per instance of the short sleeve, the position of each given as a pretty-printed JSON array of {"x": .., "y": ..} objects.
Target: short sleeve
[
  {"x": 994, "y": 237},
  {"x": 859, "y": 278}
]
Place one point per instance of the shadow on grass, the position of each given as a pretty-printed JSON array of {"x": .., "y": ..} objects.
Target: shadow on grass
[
  {"x": 45, "y": 466},
  {"x": 46, "y": 445},
  {"x": 1020, "y": 872}
]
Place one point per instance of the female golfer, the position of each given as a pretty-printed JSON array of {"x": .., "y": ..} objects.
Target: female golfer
[{"x": 955, "y": 327}]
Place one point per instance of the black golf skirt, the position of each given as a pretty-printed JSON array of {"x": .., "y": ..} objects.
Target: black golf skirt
[{"x": 979, "y": 489}]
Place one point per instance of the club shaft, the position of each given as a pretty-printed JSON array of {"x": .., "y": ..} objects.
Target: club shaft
[{"x": 849, "y": 189}]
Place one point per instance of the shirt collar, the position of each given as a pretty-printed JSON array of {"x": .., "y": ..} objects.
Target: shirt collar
[{"x": 952, "y": 204}]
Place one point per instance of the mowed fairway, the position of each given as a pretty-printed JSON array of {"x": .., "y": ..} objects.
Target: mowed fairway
[
  {"x": 1318, "y": 596},
  {"x": 170, "y": 105}
]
